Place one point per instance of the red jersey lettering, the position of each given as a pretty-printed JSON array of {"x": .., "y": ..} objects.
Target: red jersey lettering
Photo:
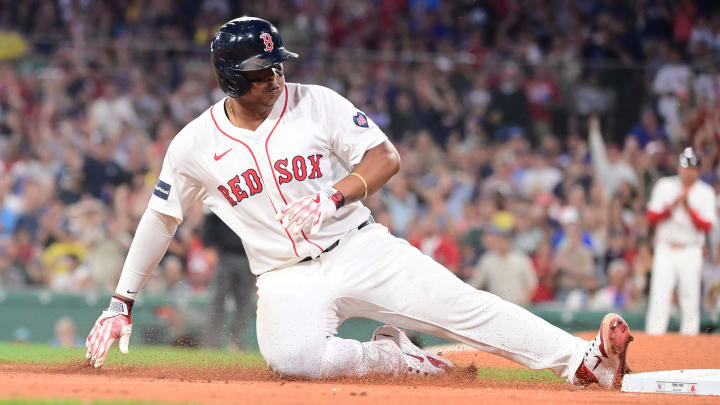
[
  {"x": 239, "y": 193},
  {"x": 280, "y": 167},
  {"x": 315, "y": 171},
  {"x": 253, "y": 181},
  {"x": 299, "y": 168}
]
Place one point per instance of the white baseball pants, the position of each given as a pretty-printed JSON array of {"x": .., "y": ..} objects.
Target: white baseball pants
[
  {"x": 375, "y": 275},
  {"x": 675, "y": 266}
]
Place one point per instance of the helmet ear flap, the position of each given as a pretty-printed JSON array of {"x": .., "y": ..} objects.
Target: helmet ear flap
[
  {"x": 232, "y": 82},
  {"x": 241, "y": 84}
]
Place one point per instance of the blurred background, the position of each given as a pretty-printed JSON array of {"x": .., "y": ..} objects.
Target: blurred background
[{"x": 488, "y": 102}]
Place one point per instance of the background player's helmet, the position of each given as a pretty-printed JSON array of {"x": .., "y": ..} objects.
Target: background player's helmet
[
  {"x": 688, "y": 158},
  {"x": 241, "y": 45}
]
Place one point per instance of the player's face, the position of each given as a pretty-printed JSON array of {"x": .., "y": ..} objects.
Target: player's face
[
  {"x": 266, "y": 85},
  {"x": 688, "y": 175}
]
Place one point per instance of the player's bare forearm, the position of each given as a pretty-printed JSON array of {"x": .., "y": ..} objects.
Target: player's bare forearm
[{"x": 377, "y": 167}]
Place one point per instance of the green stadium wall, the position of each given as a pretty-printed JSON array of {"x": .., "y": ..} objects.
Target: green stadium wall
[{"x": 31, "y": 316}]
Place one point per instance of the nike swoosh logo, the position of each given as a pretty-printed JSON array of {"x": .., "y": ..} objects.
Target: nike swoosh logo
[
  {"x": 218, "y": 157},
  {"x": 317, "y": 199},
  {"x": 422, "y": 359},
  {"x": 599, "y": 360},
  {"x": 381, "y": 334},
  {"x": 131, "y": 292}
]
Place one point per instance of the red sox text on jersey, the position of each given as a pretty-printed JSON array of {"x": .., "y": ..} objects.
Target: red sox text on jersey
[{"x": 298, "y": 170}]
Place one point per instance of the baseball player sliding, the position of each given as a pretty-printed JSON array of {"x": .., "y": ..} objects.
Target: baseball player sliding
[
  {"x": 285, "y": 166},
  {"x": 683, "y": 210}
]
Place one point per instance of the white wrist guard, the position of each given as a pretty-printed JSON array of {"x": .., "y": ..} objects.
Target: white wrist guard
[{"x": 120, "y": 306}]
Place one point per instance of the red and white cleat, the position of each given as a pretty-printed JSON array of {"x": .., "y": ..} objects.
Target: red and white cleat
[
  {"x": 418, "y": 360},
  {"x": 605, "y": 360}
]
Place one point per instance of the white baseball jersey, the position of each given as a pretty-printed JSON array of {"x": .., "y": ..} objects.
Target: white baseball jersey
[
  {"x": 312, "y": 138},
  {"x": 679, "y": 227}
]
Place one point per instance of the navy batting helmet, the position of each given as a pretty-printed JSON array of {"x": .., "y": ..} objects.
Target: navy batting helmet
[{"x": 241, "y": 45}]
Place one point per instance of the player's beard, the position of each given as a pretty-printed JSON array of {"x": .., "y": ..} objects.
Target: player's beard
[
  {"x": 269, "y": 92},
  {"x": 262, "y": 96}
]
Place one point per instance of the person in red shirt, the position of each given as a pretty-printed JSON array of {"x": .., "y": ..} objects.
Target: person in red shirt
[{"x": 430, "y": 240}]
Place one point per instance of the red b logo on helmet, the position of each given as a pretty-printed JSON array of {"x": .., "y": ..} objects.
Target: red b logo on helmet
[{"x": 268, "y": 41}]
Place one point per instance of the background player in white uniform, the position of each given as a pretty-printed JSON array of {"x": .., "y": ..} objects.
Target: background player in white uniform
[
  {"x": 683, "y": 208},
  {"x": 284, "y": 166}
]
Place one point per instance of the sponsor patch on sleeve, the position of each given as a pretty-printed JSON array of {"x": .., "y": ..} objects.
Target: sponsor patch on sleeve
[
  {"x": 162, "y": 190},
  {"x": 360, "y": 120}
]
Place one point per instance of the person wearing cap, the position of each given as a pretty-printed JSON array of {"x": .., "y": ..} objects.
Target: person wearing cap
[
  {"x": 573, "y": 263},
  {"x": 503, "y": 270},
  {"x": 682, "y": 210}
]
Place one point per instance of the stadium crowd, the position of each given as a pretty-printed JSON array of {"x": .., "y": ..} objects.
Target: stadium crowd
[{"x": 489, "y": 103}]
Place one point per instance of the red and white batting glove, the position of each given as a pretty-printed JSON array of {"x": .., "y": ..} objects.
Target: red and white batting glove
[
  {"x": 311, "y": 209},
  {"x": 114, "y": 323}
]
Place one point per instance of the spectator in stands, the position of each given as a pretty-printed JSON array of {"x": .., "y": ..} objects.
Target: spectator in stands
[
  {"x": 642, "y": 270},
  {"x": 11, "y": 277},
  {"x": 401, "y": 203},
  {"x": 540, "y": 177},
  {"x": 542, "y": 261},
  {"x": 402, "y": 117},
  {"x": 528, "y": 232},
  {"x": 616, "y": 295},
  {"x": 543, "y": 95},
  {"x": 501, "y": 181},
  {"x": 66, "y": 334},
  {"x": 170, "y": 278},
  {"x": 509, "y": 106},
  {"x": 672, "y": 85},
  {"x": 435, "y": 243},
  {"x": 648, "y": 129},
  {"x": 103, "y": 254},
  {"x": 73, "y": 278},
  {"x": 610, "y": 169},
  {"x": 617, "y": 248},
  {"x": 505, "y": 271},
  {"x": 590, "y": 97},
  {"x": 573, "y": 264}
]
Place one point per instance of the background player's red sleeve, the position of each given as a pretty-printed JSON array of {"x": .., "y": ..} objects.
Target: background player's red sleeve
[
  {"x": 654, "y": 217},
  {"x": 698, "y": 221}
]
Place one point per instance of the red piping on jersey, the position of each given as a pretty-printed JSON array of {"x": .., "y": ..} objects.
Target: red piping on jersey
[
  {"x": 699, "y": 223},
  {"x": 272, "y": 169},
  {"x": 256, "y": 165}
]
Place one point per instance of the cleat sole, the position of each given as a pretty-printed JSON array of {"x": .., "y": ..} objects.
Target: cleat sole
[{"x": 618, "y": 338}]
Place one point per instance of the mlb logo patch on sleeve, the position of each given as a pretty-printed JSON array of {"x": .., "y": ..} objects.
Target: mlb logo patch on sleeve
[
  {"x": 360, "y": 120},
  {"x": 162, "y": 190}
]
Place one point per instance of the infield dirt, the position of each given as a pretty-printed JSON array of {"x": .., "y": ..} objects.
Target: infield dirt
[{"x": 259, "y": 386}]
